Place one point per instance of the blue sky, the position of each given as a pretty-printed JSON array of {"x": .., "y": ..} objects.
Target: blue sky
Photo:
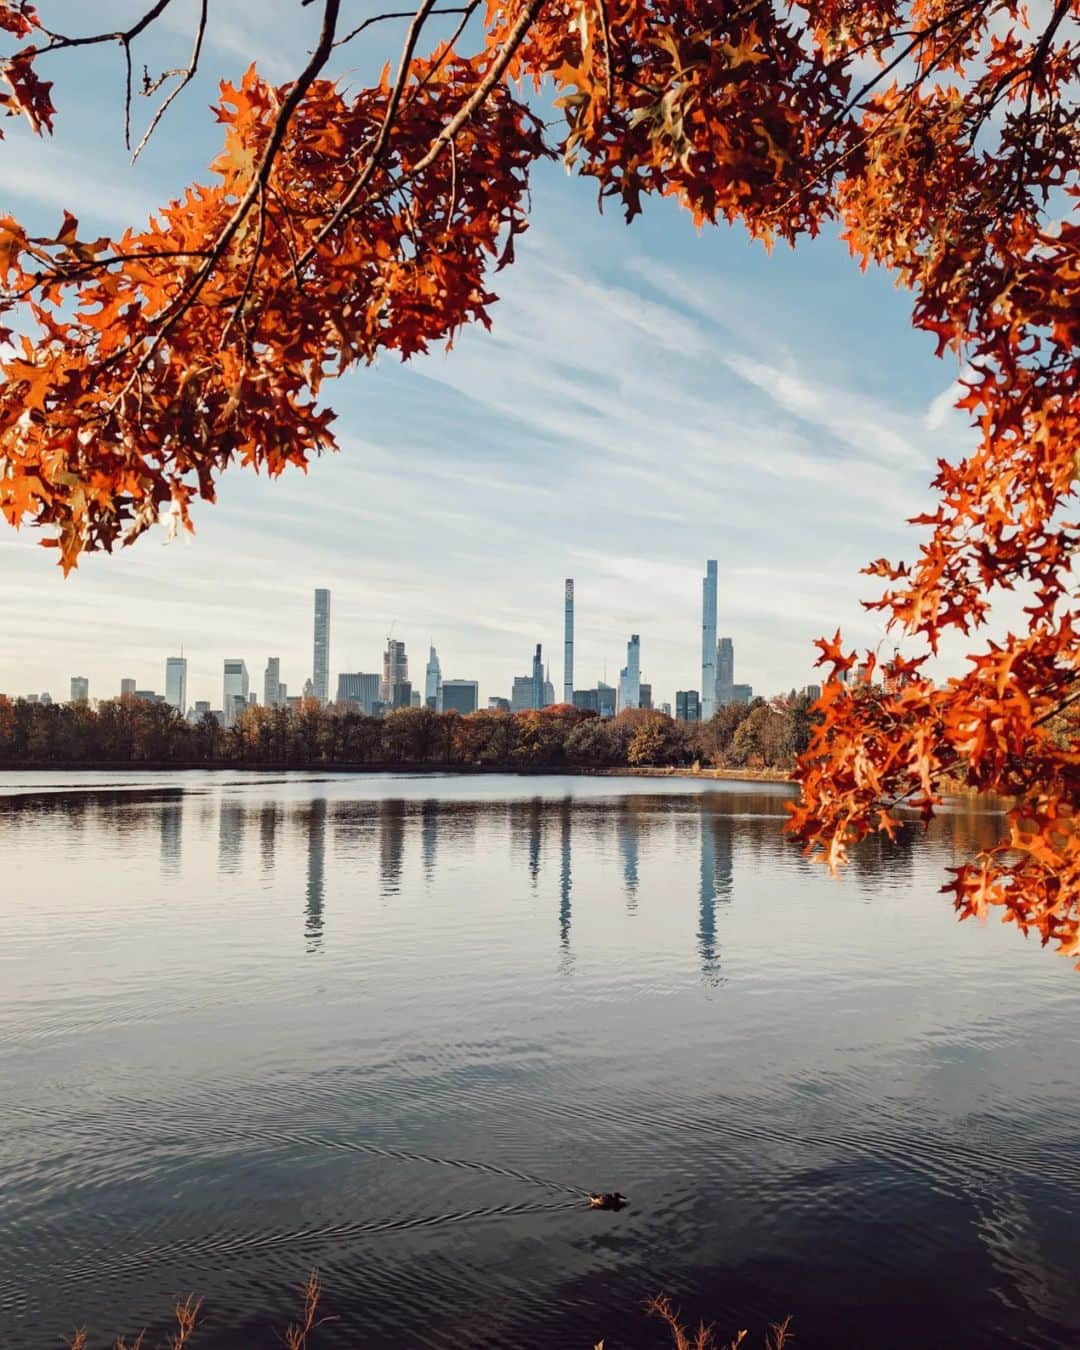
[{"x": 649, "y": 397}]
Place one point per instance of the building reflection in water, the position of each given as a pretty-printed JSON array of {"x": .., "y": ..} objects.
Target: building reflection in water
[
  {"x": 268, "y": 822},
  {"x": 566, "y": 811},
  {"x": 429, "y": 837},
  {"x": 172, "y": 822},
  {"x": 717, "y": 848},
  {"x": 316, "y": 875},
  {"x": 536, "y": 829},
  {"x": 230, "y": 834},
  {"x": 626, "y": 831},
  {"x": 391, "y": 845}
]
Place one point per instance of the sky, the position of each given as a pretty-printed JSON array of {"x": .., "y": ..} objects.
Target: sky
[{"x": 649, "y": 397}]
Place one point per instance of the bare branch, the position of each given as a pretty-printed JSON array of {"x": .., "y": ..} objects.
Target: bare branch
[{"x": 186, "y": 77}]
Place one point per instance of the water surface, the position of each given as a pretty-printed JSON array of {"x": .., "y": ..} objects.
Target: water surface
[{"x": 393, "y": 1028}]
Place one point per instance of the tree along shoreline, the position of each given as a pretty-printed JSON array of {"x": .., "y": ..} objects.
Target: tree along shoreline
[{"x": 757, "y": 738}]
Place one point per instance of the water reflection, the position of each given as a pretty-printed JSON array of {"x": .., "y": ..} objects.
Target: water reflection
[
  {"x": 316, "y": 875},
  {"x": 172, "y": 823},
  {"x": 566, "y": 818},
  {"x": 717, "y": 834},
  {"x": 626, "y": 829},
  {"x": 391, "y": 845},
  {"x": 269, "y": 815},
  {"x": 859, "y": 1114}
]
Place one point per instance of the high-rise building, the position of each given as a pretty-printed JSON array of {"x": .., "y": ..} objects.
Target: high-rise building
[
  {"x": 708, "y": 641},
  {"x": 742, "y": 693},
  {"x": 687, "y": 705},
  {"x": 358, "y": 690},
  {"x": 665, "y": 708},
  {"x": 433, "y": 682},
  {"x": 414, "y": 697},
  {"x": 461, "y": 696},
  {"x": 234, "y": 687},
  {"x": 496, "y": 704},
  {"x": 521, "y": 696},
  {"x": 588, "y": 700},
  {"x": 176, "y": 683},
  {"x": 395, "y": 672},
  {"x": 127, "y": 688},
  {"x": 537, "y": 679},
  {"x": 605, "y": 697},
  {"x": 80, "y": 689},
  {"x": 403, "y": 694},
  {"x": 272, "y": 682},
  {"x": 645, "y": 701},
  {"x": 630, "y": 676},
  {"x": 202, "y": 709},
  {"x": 568, "y": 643},
  {"x": 320, "y": 676},
  {"x": 548, "y": 697},
  {"x": 725, "y": 672}
]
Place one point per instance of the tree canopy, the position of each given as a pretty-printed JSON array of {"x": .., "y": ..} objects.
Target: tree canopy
[{"x": 940, "y": 137}]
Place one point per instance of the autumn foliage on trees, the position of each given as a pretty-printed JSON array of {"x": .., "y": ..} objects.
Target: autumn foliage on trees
[{"x": 939, "y": 136}]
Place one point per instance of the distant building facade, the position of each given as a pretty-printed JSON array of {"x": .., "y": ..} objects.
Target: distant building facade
[
  {"x": 645, "y": 697},
  {"x": 127, "y": 688},
  {"x": 588, "y": 700},
  {"x": 537, "y": 692},
  {"x": 687, "y": 705},
  {"x": 605, "y": 695},
  {"x": 521, "y": 695},
  {"x": 496, "y": 704},
  {"x": 358, "y": 690},
  {"x": 461, "y": 696},
  {"x": 568, "y": 642},
  {"x": 80, "y": 689},
  {"x": 725, "y": 674}
]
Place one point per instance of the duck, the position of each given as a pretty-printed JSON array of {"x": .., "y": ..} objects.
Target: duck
[{"x": 606, "y": 1200}]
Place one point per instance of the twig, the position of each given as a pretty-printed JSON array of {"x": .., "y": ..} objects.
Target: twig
[{"x": 186, "y": 78}]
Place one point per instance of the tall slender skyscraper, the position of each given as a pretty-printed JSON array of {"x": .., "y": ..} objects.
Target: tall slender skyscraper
[
  {"x": 568, "y": 644},
  {"x": 630, "y": 675},
  {"x": 537, "y": 679},
  {"x": 320, "y": 676},
  {"x": 433, "y": 682},
  {"x": 272, "y": 682},
  {"x": 176, "y": 683},
  {"x": 708, "y": 641}
]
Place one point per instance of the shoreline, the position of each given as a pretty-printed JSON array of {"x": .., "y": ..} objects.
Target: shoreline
[{"x": 464, "y": 770}]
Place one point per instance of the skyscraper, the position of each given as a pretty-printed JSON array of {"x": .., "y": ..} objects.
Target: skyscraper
[
  {"x": 687, "y": 706},
  {"x": 461, "y": 696},
  {"x": 568, "y": 644},
  {"x": 80, "y": 689},
  {"x": 320, "y": 677},
  {"x": 725, "y": 672},
  {"x": 521, "y": 696},
  {"x": 127, "y": 688},
  {"x": 630, "y": 675},
  {"x": 395, "y": 671},
  {"x": 176, "y": 683},
  {"x": 358, "y": 689},
  {"x": 433, "y": 682},
  {"x": 272, "y": 682},
  {"x": 537, "y": 679},
  {"x": 234, "y": 689},
  {"x": 708, "y": 641}
]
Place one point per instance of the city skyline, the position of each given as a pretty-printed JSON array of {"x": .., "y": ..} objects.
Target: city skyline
[{"x": 393, "y": 688}]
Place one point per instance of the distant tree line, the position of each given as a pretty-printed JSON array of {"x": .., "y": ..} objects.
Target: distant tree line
[{"x": 129, "y": 730}]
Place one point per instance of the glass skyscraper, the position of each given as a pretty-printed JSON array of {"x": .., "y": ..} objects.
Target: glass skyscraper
[
  {"x": 320, "y": 676},
  {"x": 176, "y": 683},
  {"x": 708, "y": 641}
]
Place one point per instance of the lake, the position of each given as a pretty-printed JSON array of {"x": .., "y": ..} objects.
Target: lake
[{"x": 394, "y": 1027}]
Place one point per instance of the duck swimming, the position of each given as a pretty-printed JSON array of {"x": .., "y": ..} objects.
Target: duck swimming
[{"x": 606, "y": 1200}]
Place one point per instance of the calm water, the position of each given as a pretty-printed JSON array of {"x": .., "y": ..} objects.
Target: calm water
[{"x": 392, "y": 1027}]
